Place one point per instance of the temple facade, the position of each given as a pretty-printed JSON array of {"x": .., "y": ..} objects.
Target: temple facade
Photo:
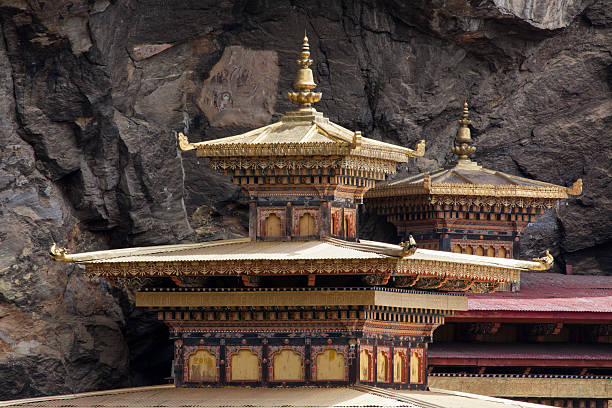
[{"x": 302, "y": 300}]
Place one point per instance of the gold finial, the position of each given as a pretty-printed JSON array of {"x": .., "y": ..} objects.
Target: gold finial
[
  {"x": 462, "y": 147},
  {"x": 304, "y": 81}
]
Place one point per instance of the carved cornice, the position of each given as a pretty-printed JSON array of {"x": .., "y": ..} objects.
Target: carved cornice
[
  {"x": 232, "y": 151},
  {"x": 260, "y": 163},
  {"x": 383, "y": 266},
  {"x": 485, "y": 193},
  {"x": 456, "y": 270}
]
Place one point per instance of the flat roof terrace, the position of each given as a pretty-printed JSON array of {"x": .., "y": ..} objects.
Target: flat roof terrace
[{"x": 169, "y": 396}]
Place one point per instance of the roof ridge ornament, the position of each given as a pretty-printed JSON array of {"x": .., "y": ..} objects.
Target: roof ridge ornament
[
  {"x": 462, "y": 146},
  {"x": 408, "y": 248},
  {"x": 304, "y": 80},
  {"x": 545, "y": 263},
  {"x": 59, "y": 254},
  {"x": 183, "y": 142},
  {"x": 576, "y": 188}
]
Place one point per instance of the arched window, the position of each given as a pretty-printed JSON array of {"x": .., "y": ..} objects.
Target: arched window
[
  {"x": 273, "y": 226},
  {"x": 457, "y": 249},
  {"x": 415, "y": 367},
  {"x": 307, "y": 225},
  {"x": 490, "y": 251},
  {"x": 244, "y": 366},
  {"x": 349, "y": 228},
  {"x": 346, "y": 224},
  {"x": 331, "y": 366},
  {"x": 335, "y": 225},
  {"x": 382, "y": 364},
  {"x": 398, "y": 367},
  {"x": 365, "y": 362},
  {"x": 287, "y": 366},
  {"x": 469, "y": 250},
  {"x": 202, "y": 366},
  {"x": 502, "y": 252},
  {"x": 480, "y": 251}
]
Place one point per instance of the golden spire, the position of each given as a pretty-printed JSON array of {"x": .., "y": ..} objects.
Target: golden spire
[
  {"x": 462, "y": 147},
  {"x": 304, "y": 81}
]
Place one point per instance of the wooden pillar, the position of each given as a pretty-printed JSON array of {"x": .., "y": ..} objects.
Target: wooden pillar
[
  {"x": 223, "y": 364},
  {"x": 178, "y": 362},
  {"x": 265, "y": 365},
  {"x": 253, "y": 221},
  {"x": 289, "y": 222},
  {"x": 308, "y": 362},
  {"x": 325, "y": 226}
]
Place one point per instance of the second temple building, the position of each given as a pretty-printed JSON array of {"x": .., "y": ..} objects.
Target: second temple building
[{"x": 304, "y": 300}]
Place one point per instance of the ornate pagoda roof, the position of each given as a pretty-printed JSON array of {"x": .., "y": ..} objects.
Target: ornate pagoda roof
[
  {"x": 316, "y": 257},
  {"x": 302, "y": 132},
  {"x": 468, "y": 178}
]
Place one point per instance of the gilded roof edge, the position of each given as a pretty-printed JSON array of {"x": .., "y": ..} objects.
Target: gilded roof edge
[{"x": 485, "y": 190}]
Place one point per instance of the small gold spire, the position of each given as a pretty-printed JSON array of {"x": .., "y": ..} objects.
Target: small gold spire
[
  {"x": 304, "y": 81},
  {"x": 462, "y": 147}
]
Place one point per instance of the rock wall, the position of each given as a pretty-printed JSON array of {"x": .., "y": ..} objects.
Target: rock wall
[{"x": 94, "y": 91}]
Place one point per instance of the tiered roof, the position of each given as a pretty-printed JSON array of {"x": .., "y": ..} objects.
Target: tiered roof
[
  {"x": 466, "y": 182},
  {"x": 306, "y": 134},
  {"x": 327, "y": 256}
]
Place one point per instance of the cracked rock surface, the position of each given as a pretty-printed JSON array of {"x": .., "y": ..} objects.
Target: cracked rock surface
[{"x": 93, "y": 92}]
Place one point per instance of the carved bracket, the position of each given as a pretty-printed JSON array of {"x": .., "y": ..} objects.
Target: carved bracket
[
  {"x": 376, "y": 279},
  {"x": 405, "y": 281}
]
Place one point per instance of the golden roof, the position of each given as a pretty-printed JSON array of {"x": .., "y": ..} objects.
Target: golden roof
[
  {"x": 468, "y": 178},
  {"x": 302, "y": 132},
  {"x": 325, "y": 256}
]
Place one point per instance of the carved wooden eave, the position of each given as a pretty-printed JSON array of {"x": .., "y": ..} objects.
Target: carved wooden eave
[
  {"x": 302, "y": 136},
  {"x": 473, "y": 186},
  {"x": 455, "y": 272}
]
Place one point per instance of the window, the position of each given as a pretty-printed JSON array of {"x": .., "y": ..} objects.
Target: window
[
  {"x": 365, "y": 361},
  {"x": 398, "y": 367},
  {"x": 202, "y": 366},
  {"x": 307, "y": 225},
  {"x": 382, "y": 365},
  {"x": 331, "y": 366},
  {"x": 287, "y": 366},
  {"x": 244, "y": 366},
  {"x": 273, "y": 226}
]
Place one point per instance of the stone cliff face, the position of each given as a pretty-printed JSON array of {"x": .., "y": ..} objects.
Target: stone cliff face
[{"x": 93, "y": 91}]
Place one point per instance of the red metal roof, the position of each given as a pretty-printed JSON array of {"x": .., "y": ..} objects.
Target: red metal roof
[
  {"x": 514, "y": 354},
  {"x": 549, "y": 292}
]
